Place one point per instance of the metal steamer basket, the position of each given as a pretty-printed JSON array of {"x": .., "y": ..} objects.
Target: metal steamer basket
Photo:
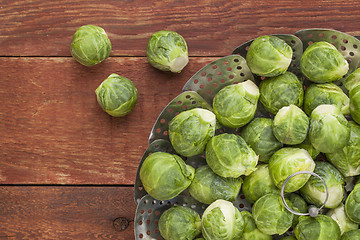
[{"x": 199, "y": 91}]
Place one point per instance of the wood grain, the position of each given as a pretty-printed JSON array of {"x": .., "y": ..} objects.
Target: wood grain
[
  {"x": 54, "y": 132},
  {"x": 65, "y": 212},
  {"x": 211, "y": 28}
]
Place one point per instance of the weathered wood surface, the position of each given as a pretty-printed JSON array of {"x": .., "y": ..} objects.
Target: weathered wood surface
[
  {"x": 46, "y": 212},
  {"x": 54, "y": 132},
  {"x": 211, "y": 28}
]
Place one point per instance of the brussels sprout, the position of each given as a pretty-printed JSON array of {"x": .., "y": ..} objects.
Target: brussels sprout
[
  {"x": 351, "y": 235},
  {"x": 235, "y": 105},
  {"x": 352, "y": 80},
  {"x": 287, "y": 161},
  {"x": 117, "y": 95},
  {"x": 90, "y": 45},
  {"x": 222, "y": 220},
  {"x": 281, "y": 91},
  {"x": 258, "y": 134},
  {"x": 352, "y": 204},
  {"x": 290, "y": 237},
  {"x": 179, "y": 223},
  {"x": 354, "y": 95},
  {"x": 250, "y": 229},
  {"x": 321, "y": 62},
  {"x": 190, "y": 131},
  {"x": 165, "y": 175},
  {"x": 321, "y": 227},
  {"x": 339, "y": 215},
  {"x": 228, "y": 155},
  {"x": 291, "y": 125},
  {"x": 347, "y": 159},
  {"x": 329, "y": 129},
  {"x": 258, "y": 184},
  {"x": 306, "y": 144},
  {"x": 325, "y": 93},
  {"x": 271, "y": 216},
  {"x": 208, "y": 186},
  {"x": 269, "y": 56},
  {"x": 167, "y": 51},
  {"x": 298, "y": 204},
  {"x": 314, "y": 191}
]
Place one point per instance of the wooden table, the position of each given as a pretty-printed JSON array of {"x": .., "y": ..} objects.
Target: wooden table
[{"x": 67, "y": 168}]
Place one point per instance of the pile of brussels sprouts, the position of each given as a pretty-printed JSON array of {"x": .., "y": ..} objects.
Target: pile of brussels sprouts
[
  {"x": 308, "y": 128},
  {"x": 117, "y": 95}
]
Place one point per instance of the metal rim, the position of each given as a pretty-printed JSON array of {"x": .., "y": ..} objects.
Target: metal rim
[{"x": 313, "y": 212}]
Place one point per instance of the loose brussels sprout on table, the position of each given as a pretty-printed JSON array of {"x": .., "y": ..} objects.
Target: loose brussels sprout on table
[
  {"x": 258, "y": 184},
  {"x": 228, "y": 155},
  {"x": 190, "y": 131},
  {"x": 269, "y": 56},
  {"x": 347, "y": 159},
  {"x": 314, "y": 191},
  {"x": 259, "y": 135},
  {"x": 329, "y": 129},
  {"x": 179, "y": 223},
  {"x": 291, "y": 125},
  {"x": 321, "y": 227},
  {"x": 325, "y": 93},
  {"x": 235, "y": 105},
  {"x": 222, "y": 220},
  {"x": 287, "y": 161},
  {"x": 167, "y": 51},
  {"x": 117, "y": 95},
  {"x": 280, "y": 91},
  {"x": 321, "y": 62},
  {"x": 208, "y": 187},
  {"x": 270, "y": 215},
  {"x": 90, "y": 45},
  {"x": 165, "y": 175},
  {"x": 352, "y": 204}
]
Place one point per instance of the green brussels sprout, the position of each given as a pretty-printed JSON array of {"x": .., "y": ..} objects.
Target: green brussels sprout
[
  {"x": 352, "y": 204},
  {"x": 298, "y": 204},
  {"x": 90, "y": 45},
  {"x": 287, "y": 161},
  {"x": 347, "y": 159},
  {"x": 190, "y": 131},
  {"x": 329, "y": 129},
  {"x": 167, "y": 51},
  {"x": 271, "y": 216},
  {"x": 222, "y": 220},
  {"x": 354, "y": 95},
  {"x": 235, "y": 105},
  {"x": 269, "y": 56},
  {"x": 352, "y": 80},
  {"x": 339, "y": 215},
  {"x": 117, "y": 95},
  {"x": 250, "y": 229},
  {"x": 291, "y": 125},
  {"x": 179, "y": 223},
  {"x": 208, "y": 187},
  {"x": 314, "y": 191},
  {"x": 228, "y": 155},
  {"x": 165, "y": 175},
  {"x": 290, "y": 237},
  {"x": 258, "y": 134},
  {"x": 306, "y": 144},
  {"x": 258, "y": 184},
  {"x": 321, "y": 227},
  {"x": 351, "y": 235},
  {"x": 325, "y": 93},
  {"x": 321, "y": 62},
  {"x": 281, "y": 91}
]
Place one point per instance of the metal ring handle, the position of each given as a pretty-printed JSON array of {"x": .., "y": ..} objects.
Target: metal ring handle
[{"x": 313, "y": 211}]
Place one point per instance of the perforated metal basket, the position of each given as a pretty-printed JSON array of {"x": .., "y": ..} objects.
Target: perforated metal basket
[{"x": 199, "y": 92}]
